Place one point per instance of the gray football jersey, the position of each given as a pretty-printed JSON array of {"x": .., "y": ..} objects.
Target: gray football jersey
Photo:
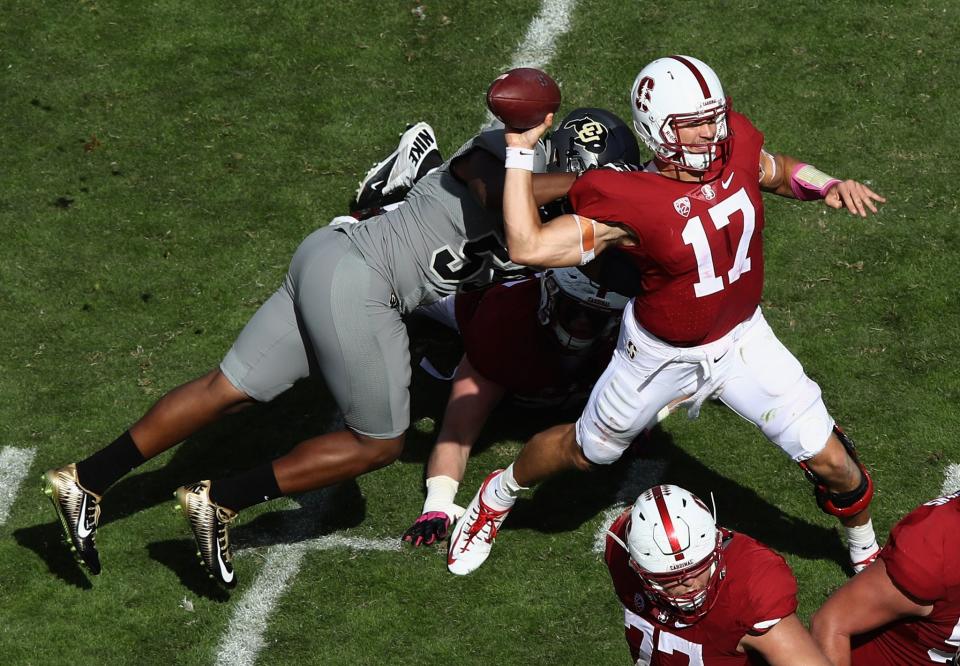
[{"x": 441, "y": 240}]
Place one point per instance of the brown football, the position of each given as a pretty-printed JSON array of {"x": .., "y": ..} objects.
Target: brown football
[{"x": 522, "y": 97}]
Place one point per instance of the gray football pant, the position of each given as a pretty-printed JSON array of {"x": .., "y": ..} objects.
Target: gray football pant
[{"x": 332, "y": 314}]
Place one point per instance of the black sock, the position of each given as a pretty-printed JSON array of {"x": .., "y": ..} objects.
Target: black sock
[
  {"x": 109, "y": 464},
  {"x": 251, "y": 487}
]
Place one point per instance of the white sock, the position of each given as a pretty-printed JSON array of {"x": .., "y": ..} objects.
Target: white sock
[
  {"x": 441, "y": 493},
  {"x": 861, "y": 541},
  {"x": 501, "y": 492}
]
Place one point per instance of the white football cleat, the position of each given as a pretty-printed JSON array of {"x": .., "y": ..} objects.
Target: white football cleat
[
  {"x": 389, "y": 180},
  {"x": 473, "y": 536}
]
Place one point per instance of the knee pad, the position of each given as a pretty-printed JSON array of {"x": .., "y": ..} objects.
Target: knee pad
[
  {"x": 595, "y": 446},
  {"x": 850, "y": 503}
]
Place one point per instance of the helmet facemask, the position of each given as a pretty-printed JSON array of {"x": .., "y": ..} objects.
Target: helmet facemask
[
  {"x": 692, "y": 605},
  {"x": 672, "y": 538},
  {"x": 707, "y": 158},
  {"x": 577, "y": 310}
]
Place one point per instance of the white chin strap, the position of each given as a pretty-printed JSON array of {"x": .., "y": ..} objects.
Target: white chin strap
[{"x": 698, "y": 161}]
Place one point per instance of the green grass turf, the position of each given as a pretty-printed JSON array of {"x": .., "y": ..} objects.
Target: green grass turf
[{"x": 161, "y": 162}]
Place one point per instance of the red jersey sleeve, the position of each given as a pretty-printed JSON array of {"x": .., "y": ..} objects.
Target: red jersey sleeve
[
  {"x": 600, "y": 195},
  {"x": 769, "y": 589},
  {"x": 915, "y": 555}
]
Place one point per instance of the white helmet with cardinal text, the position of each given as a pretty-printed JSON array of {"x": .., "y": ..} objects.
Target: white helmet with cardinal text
[
  {"x": 673, "y": 538},
  {"x": 675, "y": 92},
  {"x": 578, "y": 310}
]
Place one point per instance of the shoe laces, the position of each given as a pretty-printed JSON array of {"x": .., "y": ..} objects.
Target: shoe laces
[
  {"x": 485, "y": 517},
  {"x": 91, "y": 517}
]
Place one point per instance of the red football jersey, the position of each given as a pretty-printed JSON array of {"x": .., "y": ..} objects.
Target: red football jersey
[
  {"x": 757, "y": 591},
  {"x": 699, "y": 245},
  {"x": 922, "y": 558},
  {"x": 506, "y": 343}
]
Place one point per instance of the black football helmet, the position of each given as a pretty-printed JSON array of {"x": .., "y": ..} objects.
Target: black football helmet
[{"x": 588, "y": 138}]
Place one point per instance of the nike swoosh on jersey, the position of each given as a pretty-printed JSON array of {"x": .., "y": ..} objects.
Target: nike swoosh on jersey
[
  {"x": 726, "y": 183},
  {"x": 82, "y": 530}
]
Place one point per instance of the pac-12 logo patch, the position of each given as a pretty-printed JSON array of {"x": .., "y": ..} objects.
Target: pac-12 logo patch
[
  {"x": 682, "y": 205},
  {"x": 589, "y": 133}
]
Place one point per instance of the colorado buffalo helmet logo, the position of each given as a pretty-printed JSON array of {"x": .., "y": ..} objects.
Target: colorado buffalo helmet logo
[{"x": 589, "y": 133}]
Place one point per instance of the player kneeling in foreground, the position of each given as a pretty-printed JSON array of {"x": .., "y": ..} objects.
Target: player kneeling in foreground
[
  {"x": 693, "y": 593},
  {"x": 904, "y": 609},
  {"x": 692, "y": 222}
]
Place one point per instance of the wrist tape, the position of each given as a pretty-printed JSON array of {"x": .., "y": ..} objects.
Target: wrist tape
[
  {"x": 808, "y": 182},
  {"x": 519, "y": 158}
]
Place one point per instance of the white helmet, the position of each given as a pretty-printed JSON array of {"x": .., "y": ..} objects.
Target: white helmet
[
  {"x": 672, "y": 537},
  {"x": 578, "y": 310},
  {"x": 673, "y": 92}
]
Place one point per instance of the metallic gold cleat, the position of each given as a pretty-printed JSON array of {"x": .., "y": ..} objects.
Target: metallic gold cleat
[
  {"x": 79, "y": 512},
  {"x": 209, "y": 523}
]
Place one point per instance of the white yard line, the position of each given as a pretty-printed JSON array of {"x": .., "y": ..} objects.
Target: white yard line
[
  {"x": 14, "y": 467},
  {"x": 245, "y": 635},
  {"x": 539, "y": 44},
  {"x": 951, "y": 479}
]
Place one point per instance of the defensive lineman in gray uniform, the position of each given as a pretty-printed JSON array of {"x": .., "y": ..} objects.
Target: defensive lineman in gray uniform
[{"x": 342, "y": 305}]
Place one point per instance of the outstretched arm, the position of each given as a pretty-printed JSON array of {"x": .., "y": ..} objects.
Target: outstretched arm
[
  {"x": 867, "y": 601},
  {"x": 568, "y": 240},
  {"x": 789, "y": 177},
  {"x": 472, "y": 399},
  {"x": 787, "y": 642}
]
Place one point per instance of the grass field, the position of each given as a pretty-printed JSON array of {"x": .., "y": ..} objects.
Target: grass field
[{"x": 161, "y": 161}]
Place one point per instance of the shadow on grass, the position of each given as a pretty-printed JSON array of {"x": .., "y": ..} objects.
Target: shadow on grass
[
  {"x": 565, "y": 502},
  {"x": 318, "y": 513},
  {"x": 46, "y": 540},
  {"x": 179, "y": 555}
]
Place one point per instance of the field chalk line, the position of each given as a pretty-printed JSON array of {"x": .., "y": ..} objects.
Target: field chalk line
[
  {"x": 951, "y": 479},
  {"x": 539, "y": 44},
  {"x": 14, "y": 467},
  {"x": 244, "y": 638}
]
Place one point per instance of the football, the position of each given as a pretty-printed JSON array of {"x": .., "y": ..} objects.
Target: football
[{"x": 522, "y": 97}]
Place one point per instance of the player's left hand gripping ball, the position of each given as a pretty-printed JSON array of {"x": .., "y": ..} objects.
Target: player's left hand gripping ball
[{"x": 522, "y": 97}]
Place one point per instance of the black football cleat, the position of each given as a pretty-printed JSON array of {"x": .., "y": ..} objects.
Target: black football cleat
[
  {"x": 209, "y": 523},
  {"x": 79, "y": 513}
]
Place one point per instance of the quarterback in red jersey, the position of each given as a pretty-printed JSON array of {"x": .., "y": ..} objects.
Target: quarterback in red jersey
[
  {"x": 693, "y": 593},
  {"x": 904, "y": 609},
  {"x": 692, "y": 222}
]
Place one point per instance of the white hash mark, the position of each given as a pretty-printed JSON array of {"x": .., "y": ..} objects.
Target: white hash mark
[{"x": 14, "y": 467}]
